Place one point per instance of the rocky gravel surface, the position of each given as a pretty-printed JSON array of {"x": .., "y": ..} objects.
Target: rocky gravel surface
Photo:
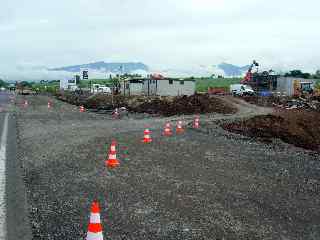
[{"x": 203, "y": 184}]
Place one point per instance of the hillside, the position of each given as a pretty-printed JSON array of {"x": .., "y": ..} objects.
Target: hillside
[
  {"x": 105, "y": 67},
  {"x": 233, "y": 70}
]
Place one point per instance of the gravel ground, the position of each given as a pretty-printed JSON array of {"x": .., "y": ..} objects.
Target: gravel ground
[{"x": 203, "y": 184}]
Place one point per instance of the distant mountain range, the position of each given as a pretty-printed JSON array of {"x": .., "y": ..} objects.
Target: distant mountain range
[
  {"x": 101, "y": 67},
  {"x": 128, "y": 67},
  {"x": 233, "y": 70}
]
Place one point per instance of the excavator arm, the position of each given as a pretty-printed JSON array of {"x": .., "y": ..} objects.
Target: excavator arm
[{"x": 248, "y": 76}]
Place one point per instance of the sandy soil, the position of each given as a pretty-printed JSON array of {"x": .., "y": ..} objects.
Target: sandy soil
[{"x": 203, "y": 184}]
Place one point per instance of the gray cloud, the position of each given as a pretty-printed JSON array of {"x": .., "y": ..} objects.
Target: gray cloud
[{"x": 163, "y": 34}]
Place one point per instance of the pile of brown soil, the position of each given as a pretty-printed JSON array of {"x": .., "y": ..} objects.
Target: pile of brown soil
[
  {"x": 102, "y": 101},
  {"x": 186, "y": 105},
  {"x": 265, "y": 101},
  {"x": 167, "y": 106},
  {"x": 73, "y": 97},
  {"x": 298, "y": 127}
]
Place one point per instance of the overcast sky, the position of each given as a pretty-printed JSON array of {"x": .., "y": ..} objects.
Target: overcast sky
[{"x": 166, "y": 33}]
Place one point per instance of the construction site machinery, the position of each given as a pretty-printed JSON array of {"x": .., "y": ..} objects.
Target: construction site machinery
[{"x": 260, "y": 82}]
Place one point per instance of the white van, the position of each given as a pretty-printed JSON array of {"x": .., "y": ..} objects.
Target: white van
[
  {"x": 98, "y": 88},
  {"x": 241, "y": 90}
]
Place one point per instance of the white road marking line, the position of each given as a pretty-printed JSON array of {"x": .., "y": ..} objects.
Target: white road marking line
[{"x": 3, "y": 146}]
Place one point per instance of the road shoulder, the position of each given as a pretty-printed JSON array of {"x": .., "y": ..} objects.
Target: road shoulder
[{"x": 18, "y": 222}]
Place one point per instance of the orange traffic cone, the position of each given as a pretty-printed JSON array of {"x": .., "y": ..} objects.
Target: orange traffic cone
[
  {"x": 112, "y": 161},
  {"x": 196, "y": 122},
  {"x": 95, "y": 227},
  {"x": 82, "y": 109},
  {"x": 167, "y": 130},
  {"x": 147, "y": 137},
  {"x": 49, "y": 104},
  {"x": 179, "y": 128},
  {"x": 115, "y": 114}
]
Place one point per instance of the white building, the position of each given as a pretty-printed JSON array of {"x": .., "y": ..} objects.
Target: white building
[
  {"x": 175, "y": 87},
  {"x": 158, "y": 87},
  {"x": 68, "y": 84}
]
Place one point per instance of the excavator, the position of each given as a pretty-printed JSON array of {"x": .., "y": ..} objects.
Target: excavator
[
  {"x": 267, "y": 81},
  {"x": 264, "y": 81},
  {"x": 248, "y": 76}
]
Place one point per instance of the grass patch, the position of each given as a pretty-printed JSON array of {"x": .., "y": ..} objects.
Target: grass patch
[{"x": 202, "y": 84}]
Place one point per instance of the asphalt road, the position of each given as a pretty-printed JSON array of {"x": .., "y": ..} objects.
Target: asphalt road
[{"x": 14, "y": 222}]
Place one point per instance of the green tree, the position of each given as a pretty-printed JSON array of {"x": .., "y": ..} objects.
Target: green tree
[
  {"x": 317, "y": 74},
  {"x": 116, "y": 84},
  {"x": 3, "y": 83},
  {"x": 297, "y": 73},
  {"x": 26, "y": 84}
]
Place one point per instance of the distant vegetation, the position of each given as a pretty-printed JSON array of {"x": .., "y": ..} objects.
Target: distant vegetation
[
  {"x": 86, "y": 83},
  {"x": 300, "y": 74},
  {"x": 317, "y": 74},
  {"x": 202, "y": 84},
  {"x": 3, "y": 83},
  {"x": 317, "y": 85},
  {"x": 45, "y": 86}
]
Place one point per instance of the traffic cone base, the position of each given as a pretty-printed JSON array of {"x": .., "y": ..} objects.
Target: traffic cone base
[
  {"x": 94, "y": 236},
  {"x": 147, "y": 140},
  {"x": 179, "y": 128},
  {"x": 112, "y": 163}
]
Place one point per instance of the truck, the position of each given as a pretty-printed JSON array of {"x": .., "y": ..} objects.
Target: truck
[{"x": 241, "y": 90}]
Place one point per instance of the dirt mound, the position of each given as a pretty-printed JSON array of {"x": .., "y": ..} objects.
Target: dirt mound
[
  {"x": 265, "y": 101},
  {"x": 167, "y": 106},
  {"x": 300, "y": 128},
  {"x": 102, "y": 101},
  {"x": 74, "y": 98},
  {"x": 186, "y": 105}
]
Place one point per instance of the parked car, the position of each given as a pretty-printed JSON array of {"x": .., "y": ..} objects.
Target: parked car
[
  {"x": 241, "y": 90},
  {"x": 105, "y": 90}
]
